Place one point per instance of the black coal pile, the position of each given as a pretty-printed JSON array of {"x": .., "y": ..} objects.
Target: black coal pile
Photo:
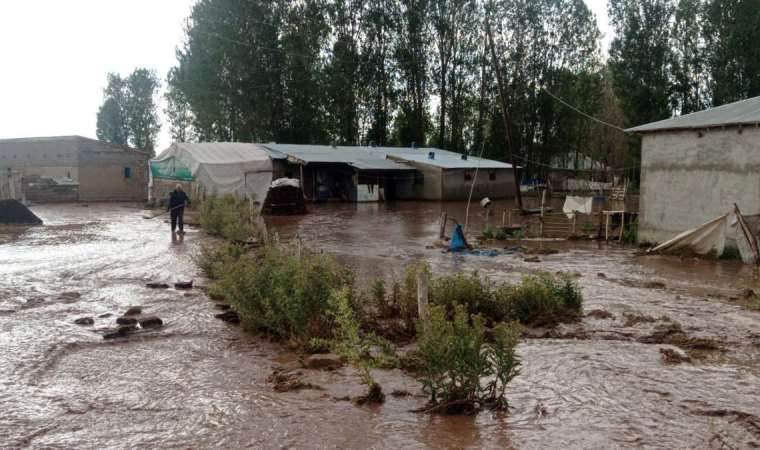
[{"x": 13, "y": 212}]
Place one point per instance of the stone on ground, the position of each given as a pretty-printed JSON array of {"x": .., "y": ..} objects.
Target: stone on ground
[{"x": 327, "y": 361}]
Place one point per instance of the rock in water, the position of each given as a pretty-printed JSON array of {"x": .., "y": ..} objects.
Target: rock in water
[
  {"x": 150, "y": 322},
  {"x": 13, "y": 212},
  {"x": 126, "y": 320},
  {"x": 327, "y": 361},
  {"x": 229, "y": 316},
  {"x": 84, "y": 321},
  {"x": 222, "y": 306},
  {"x": 120, "y": 332},
  {"x": 157, "y": 285},
  {"x": 183, "y": 285},
  {"x": 133, "y": 311}
]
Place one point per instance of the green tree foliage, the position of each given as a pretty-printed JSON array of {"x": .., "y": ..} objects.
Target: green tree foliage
[
  {"x": 129, "y": 115},
  {"x": 732, "y": 45}
]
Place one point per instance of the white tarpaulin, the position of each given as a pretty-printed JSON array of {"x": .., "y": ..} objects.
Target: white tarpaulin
[
  {"x": 224, "y": 168},
  {"x": 573, "y": 205},
  {"x": 711, "y": 237}
]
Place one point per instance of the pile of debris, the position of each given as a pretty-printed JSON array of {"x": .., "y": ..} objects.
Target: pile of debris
[
  {"x": 284, "y": 198},
  {"x": 14, "y": 212}
]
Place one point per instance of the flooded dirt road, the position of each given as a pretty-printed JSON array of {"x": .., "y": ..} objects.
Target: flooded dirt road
[{"x": 200, "y": 383}]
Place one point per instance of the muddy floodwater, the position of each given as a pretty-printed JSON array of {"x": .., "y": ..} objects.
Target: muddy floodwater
[{"x": 198, "y": 382}]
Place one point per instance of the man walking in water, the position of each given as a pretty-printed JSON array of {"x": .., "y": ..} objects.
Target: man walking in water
[{"x": 177, "y": 202}]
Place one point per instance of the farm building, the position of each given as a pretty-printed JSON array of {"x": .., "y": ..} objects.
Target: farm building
[
  {"x": 212, "y": 168},
  {"x": 72, "y": 168},
  {"x": 695, "y": 167},
  {"x": 386, "y": 173}
]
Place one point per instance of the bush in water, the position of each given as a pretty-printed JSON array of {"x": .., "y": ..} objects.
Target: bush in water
[
  {"x": 214, "y": 260},
  {"x": 454, "y": 360},
  {"x": 278, "y": 292},
  {"x": 228, "y": 217},
  {"x": 542, "y": 299}
]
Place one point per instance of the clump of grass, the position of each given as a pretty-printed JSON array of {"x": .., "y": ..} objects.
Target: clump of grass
[
  {"x": 228, "y": 217},
  {"x": 542, "y": 299},
  {"x": 351, "y": 344},
  {"x": 214, "y": 259},
  {"x": 500, "y": 234},
  {"x": 277, "y": 292},
  {"x": 454, "y": 359}
]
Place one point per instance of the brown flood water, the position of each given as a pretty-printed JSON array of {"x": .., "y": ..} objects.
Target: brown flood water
[{"x": 200, "y": 383}]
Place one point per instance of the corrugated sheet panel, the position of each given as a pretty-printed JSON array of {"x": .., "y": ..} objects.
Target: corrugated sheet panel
[
  {"x": 745, "y": 112},
  {"x": 379, "y": 158}
]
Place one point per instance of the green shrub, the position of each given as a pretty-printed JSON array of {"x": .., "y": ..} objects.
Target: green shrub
[
  {"x": 487, "y": 234},
  {"x": 228, "y": 217},
  {"x": 470, "y": 290},
  {"x": 518, "y": 234},
  {"x": 542, "y": 299},
  {"x": 630, "y": 234},
  {"x": 214, "y": 260},
  {"x": 349, "y": 343},
  {"x": 454, "y": 357},
  {"x": 501, "y": 234},
  {"x": 277, "y": 292}
]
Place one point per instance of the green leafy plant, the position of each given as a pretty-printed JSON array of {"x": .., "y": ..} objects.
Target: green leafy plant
[
  {"x": 214, "y": 259},
  {"x": 278, "y": 292},
  {"x": 518, "y": 234},
  {"x": 630, "y": 234},
  {"x": 228, "y": 217},
  {"x": 454, "y": 359},
  {"x": 349, "y": 343},
  {"x": 588, "y": 227}
]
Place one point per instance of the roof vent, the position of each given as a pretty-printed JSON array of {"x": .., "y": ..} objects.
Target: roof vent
[
  {"x": 431, "y": 155},
  {"x": 464, "y": 156}
]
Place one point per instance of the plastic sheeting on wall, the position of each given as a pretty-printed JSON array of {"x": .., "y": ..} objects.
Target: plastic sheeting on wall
[
  {"x": 222, "y": 168},
  {"x": 711, "y": 237}
]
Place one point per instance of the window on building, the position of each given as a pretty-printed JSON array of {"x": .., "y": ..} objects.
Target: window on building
[
  {"x": 468, "y": 175},
  {"x": 492, "y": 176},
  {"x": 127, "y": 172}
]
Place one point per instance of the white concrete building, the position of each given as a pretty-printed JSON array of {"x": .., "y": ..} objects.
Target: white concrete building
[{"x": 695, "y": 167}]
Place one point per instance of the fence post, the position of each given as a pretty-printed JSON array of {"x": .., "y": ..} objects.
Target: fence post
[
  {"x": 442, "y": 230},
  {"x": 422, "y": 295}
]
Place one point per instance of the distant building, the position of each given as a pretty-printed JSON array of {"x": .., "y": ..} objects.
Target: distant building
[
  {"x": 354, "y": 173},
  {"x": 75, "y": 168},
  {"x": 695, "y": 167}
]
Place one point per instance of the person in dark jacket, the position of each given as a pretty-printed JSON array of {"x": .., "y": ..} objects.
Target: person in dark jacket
[{"x": 177, "y": 202}]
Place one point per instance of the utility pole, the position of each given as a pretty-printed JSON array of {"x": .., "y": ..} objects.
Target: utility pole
[{"x": 504, "y": 101}]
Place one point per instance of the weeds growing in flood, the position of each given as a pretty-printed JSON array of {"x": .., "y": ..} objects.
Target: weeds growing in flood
[
  {"x": 228, "y": 217},
  {"x": 213, "y": 260},
  {"x": 455, "y": 359},
  {"x": 282, "y": 294}
]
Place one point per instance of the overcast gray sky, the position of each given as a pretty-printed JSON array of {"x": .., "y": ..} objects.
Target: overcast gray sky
[{"x": 55, "y": 54}]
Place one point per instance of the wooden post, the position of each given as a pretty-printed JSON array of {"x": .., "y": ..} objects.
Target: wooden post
[
  {"x": 622, "y": 225},
  {"x": 442, "y": 230},
  {"x": 574, "y": 220},
  {"x": 422, "y": 295},
  {"x": 504, "y": 218}
]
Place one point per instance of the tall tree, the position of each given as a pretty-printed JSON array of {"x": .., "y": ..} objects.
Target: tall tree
[
  {"x": 641, "y": 57},
  {"x": 732, "y": 43},
  {"x": 412, "y": 47},
  {"x": 689, "y": 65},
  {"x": 129, "y": 113}
]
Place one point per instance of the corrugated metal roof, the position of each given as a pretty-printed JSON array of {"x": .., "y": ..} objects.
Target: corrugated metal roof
[
  {"x": 380, "y": 158},
  {"x": 745, "y": 112},
  {"x": 449, "y": 160}
]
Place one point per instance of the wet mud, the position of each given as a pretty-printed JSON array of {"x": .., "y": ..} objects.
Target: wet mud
[{"x": 199, "y": 382}]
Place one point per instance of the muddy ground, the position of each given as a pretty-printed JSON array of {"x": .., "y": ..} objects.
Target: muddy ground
[{"x": 198, "y": 382}]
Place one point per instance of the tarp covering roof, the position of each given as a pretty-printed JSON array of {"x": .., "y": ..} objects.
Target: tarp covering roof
[
  {"x": 379, "y": 158},
  {"x": 221, "y": 167},
  {"x": 745, "y": 112}
]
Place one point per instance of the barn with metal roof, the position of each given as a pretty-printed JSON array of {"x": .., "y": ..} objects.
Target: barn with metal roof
[
  {"x": 357, "y": 173},
  {"x": 696, "y": 166}
]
